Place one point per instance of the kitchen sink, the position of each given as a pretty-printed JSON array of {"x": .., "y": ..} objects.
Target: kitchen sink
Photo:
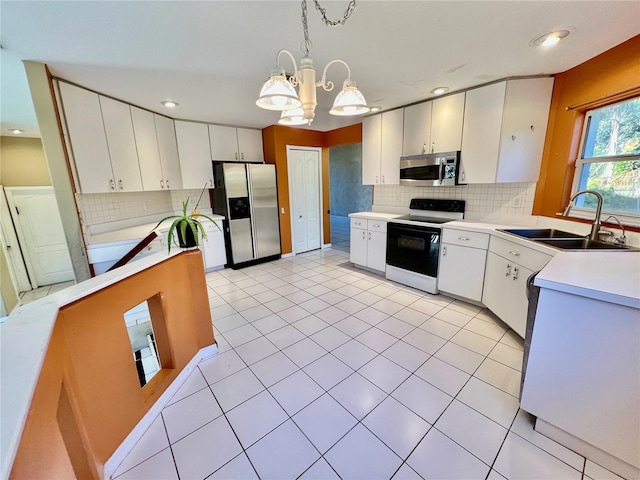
[
  {"x": 581, "y": 244},
  {"x": 537, "y": 233}
]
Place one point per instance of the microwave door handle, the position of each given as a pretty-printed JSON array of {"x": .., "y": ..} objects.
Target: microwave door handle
[{"x": 440, "y": 173}]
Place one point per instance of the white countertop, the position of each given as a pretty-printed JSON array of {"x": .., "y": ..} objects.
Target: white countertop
[
  {"x": 608, "y": 276},
  {"x": 24, "y": 338},
  {"x": 136, "y": 233},
  {"x": 375, "y": 215}
]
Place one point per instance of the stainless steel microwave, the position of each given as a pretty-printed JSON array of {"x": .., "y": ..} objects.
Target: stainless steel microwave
[{"x": 430, "y": 170}]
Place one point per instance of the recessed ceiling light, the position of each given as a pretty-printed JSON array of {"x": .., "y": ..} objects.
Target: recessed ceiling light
[
  {"x": 375, "y": 108},
  {"x": 549, "y": 39},
  {"x": 16, "y": 131},
  {"x": 170, "y": 104},
  {"x": 439, "y": 90}
]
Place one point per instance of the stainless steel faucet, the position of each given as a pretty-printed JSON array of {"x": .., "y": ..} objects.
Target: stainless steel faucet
[
  {"x": 622, "y": 239},
  {"x": 595, "y": 226}
]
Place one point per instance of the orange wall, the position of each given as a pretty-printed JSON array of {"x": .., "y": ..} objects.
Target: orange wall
[
  {"x": 275, "y": 140},
  {"x": 613, "y": 71},
  {"x": 88, "y": 397}
]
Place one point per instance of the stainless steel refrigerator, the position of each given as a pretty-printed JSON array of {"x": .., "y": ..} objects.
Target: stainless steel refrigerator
[{"x": 247, "y": 196}]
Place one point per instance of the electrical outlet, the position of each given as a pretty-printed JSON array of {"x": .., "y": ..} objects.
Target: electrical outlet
[{"x": 516, "y": 202}]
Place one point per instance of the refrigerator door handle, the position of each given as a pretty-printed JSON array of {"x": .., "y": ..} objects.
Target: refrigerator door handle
[{"x": 256, "y": 253}]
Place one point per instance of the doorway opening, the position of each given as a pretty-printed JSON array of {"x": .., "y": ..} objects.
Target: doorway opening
[{"x": 346, "y": 191}]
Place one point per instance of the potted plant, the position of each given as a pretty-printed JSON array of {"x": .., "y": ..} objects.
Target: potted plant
[{"x": 187, "y": 226}]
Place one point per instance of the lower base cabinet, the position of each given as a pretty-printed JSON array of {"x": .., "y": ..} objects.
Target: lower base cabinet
[
  {"x": 213, "y": 249},
  {"x": 509, "y": 267},
  {"x": 462, "y": 263},
  {"x": 368, "y": 246}
]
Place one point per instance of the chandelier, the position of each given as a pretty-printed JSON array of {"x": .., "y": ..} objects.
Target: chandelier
[{"x": 298, "y": 108}]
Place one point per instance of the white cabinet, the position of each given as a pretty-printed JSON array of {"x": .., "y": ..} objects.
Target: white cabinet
[
  {"x": 168, "y": 147},
  {"x": 231, "y": 144},
  {"x": 462, "y": 262},
  {"x": 368, "y": 243},
  {"x": 417, "y": 129},
  {"x": 213, "y": 248},
  {"x": 382, "y": 148},
  {"x": 144, "y": 129},
  {"x": 447, "y": 115},
  {"x": 85, "y": 128},
  {"x": 122, "y": 145},
  {"x": 371, "y": 133},
  {"x": 509, "y": 266},
  {"x": 250, "y": 145},
  {"x": 505, "y": 125},
  {"x": 195, "y": 157}
]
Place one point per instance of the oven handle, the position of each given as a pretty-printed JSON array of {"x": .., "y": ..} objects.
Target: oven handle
[{"x": 404, "y": 228}]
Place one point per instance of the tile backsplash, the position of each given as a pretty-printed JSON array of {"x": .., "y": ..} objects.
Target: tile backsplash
[
  {"x": 505, "y": 198},
  {"x": 102, "y": 208}
]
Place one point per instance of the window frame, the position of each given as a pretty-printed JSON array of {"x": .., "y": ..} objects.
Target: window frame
[{"x": 585, "y": 213}]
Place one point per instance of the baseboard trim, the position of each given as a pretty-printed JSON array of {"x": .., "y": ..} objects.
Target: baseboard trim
[{"x": 145, "y": 422}]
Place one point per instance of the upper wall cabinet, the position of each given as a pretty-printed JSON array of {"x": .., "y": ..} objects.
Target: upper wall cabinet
[
  {"x": 122, "y": 145},
  {"x": 87, "y": 137},
  {"x": 417, "y": 129},
  {"x": 195, "y": 155},
  {"x": 504, "y": 129},
  {"x": 157, "y": 150},
  {"x": 168, "y": 147},
  {"x": 231, "y": 144},
  {"x": 447, "y": 115},
  {"x": 382, "y": 148}
]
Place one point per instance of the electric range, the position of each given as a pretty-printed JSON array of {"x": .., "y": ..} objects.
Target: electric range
[{"x": 413, "y": 242}]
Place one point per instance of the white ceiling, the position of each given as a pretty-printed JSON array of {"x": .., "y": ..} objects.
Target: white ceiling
[{"x": 213, "y": 56}]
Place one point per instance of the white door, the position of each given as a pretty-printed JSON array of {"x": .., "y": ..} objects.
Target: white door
[
  {"x": 11, "y": 246},
  {"x": 304, "y": 192},
  {"x": 39, "y": 227}
]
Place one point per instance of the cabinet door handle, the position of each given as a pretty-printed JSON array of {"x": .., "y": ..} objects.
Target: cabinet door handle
[
  {"x": 369, "y": 235},
  {"x": 236, "y": 156},
  {"x": 424, "y": 148},
  {"x": 444, "y": 250},
  {"x": 364, "y": 235},
  {"x": 513, "y": 138},
  {"x": 112, "y": 184},
  {"x": 376, "y": 226},
  {"x": 376, "y": 180},
  {"x": 161, "y": 183},
  {"x": 242, "y": 156},
  {"x": 515, "y": 273},
  {"x": 382, "y": 178},
  {"x": 433, "y": 147},
  {"x": 508, "y": 270},
  {"x": 168, "y": 183},
  {"x": 120, "y": 184},
  {"x": 462, "y": 176},
  {"x": 515, "y": 254},
  {"x": 464, "y": 239}
]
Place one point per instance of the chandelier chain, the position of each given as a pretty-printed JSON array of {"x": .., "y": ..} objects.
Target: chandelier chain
[{"x": 306, "y": 44}]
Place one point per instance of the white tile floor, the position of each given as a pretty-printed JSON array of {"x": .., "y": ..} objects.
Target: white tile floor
[
  {"x": 30, "y": 296},
  {"x": 325, "y": 371}
]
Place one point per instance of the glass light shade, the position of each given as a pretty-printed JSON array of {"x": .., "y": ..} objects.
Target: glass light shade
[
  {"x": 294, "y": 116},
  {"x": 349, "y": 101},
  {"x": 278, "y": 94}
]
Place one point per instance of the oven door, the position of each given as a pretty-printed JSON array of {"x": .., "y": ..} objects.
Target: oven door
[{"x": 413, "y": 248}]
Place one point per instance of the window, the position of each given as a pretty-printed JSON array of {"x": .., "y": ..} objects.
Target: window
[{"x": 610, "y": 161}]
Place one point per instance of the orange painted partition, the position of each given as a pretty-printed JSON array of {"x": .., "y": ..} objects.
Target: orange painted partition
[
  {"x": 275, "y": 140},
  {"x": 88, "y": 397},
  {"x": 591, "y": 84}
]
